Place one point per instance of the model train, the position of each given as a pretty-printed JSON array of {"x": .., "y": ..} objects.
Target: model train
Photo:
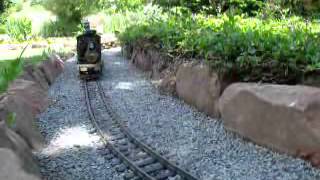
[{"x": 89, "y": 60}]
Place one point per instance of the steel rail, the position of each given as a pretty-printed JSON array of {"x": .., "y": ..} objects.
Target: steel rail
[
  {"x": 120, "y": 155},
  {"x": 107, "y": 103}
]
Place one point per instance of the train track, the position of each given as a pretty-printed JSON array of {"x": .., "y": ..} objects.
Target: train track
[{"x": 143, "y": 162}]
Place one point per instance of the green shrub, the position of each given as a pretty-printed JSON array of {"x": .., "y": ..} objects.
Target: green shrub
[
  {"x": 69, "y": 13},
  {"x": 10, "y": 69},
  {"x": 4, "y": 5},
  {"x": 2, "y": 29},
  {"x": 250, "y": 7},
  {"x": 59, "y": 29},
  {"x": 19, "y": 29},
  {"x": 8, "y": 72},
  {"x": 11, "y": 120},
  {"x": 122, "y": 5},
  {"x": 269, "y": 50},
  {"x": 120, "y": 21}
]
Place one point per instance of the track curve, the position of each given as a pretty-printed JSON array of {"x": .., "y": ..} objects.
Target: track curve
[{"x": 137, "y": 156}]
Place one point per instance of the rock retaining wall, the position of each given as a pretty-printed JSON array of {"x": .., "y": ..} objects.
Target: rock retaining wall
[
  {"x": 25, "y": 98},
  {"x": 284, "y": 118}
]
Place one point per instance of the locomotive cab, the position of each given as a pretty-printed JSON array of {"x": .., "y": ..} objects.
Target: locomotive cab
[{"x": 89, "y": 54}]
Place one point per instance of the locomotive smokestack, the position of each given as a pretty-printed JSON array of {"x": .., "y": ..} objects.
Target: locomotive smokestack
[{"x": 86, "y": 25}]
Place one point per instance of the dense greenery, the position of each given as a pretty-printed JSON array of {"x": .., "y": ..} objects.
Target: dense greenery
[
  {"x": 122, "y": 5},
  {"x": 69, "y": 14},
  {"x": 215, "y": 6},
  {"x": 248, "y": 7},
  {"x": 10, "y": 69},
  {"x": 8, "y": 72},
  {"x": 251, "y": 49},
  {"x": 252, "y": 40},
  {"x": 4, "y": 5},
  {"x": 118, "y": 22},
  {"x": 19, "y": 29}
]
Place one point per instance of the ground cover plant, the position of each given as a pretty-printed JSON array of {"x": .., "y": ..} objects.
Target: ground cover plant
[
  {"x": 119, "y": 21},
  {"x": 19, "y": 29},
  {"x": 10, "y": 69},
  {"x": 248, "y": 48}
]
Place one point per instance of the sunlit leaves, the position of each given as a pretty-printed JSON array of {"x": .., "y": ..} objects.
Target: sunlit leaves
[{"x": 271, "y": 50}]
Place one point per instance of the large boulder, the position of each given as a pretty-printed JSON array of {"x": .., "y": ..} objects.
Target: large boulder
[
  {"x": 11, "y": 169},
  {"x": 14, "y": 152},
  {"x": 198, "y": 85},
  {"x": 168, "y": 85},
  {"x": 52, "y": 68},
  {"x": 25, "y": 99},
  {"x": 32, "y": 73},
  {"x": 285, "y": 118},
  {"x": 161, "y": 66},
  {"x": 141, "y": 60},
  {"x": 30, "y": 94}
]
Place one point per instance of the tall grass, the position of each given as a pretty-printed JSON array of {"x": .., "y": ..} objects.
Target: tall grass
[
  {"x": 11, "y": 69},
  {"x": 19, "y": 29}
]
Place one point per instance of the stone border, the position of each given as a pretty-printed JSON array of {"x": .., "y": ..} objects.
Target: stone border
[
  {"x": 26, "y": 97},
  {"x": 281, "y": 117}
]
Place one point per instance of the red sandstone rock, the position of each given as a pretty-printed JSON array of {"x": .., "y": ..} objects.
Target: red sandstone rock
[
  {"x": 168, "y": 84},
  {"x": 52, "y": 68},
  {"x": 25, "y": 99},
  {"x": 285, "y": 118},
  {"x": 11, "y": 145},
  {"x": 11, "y": 167},
  {"x": 29, "y": 93},
  {"x": 141, "y": 60},
  {"x": 34, "y": 74},
  {"x": 199, "y": 86}
]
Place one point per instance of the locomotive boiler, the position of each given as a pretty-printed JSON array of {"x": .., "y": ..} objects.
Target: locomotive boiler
[{"x": 89, "y": 60}]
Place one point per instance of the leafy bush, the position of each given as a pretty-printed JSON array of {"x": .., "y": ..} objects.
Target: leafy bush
[
  {"x": 11, "y": 120},
  {"x": 4, "y": 4},
  {"x": 254, "y": 50},
  {"x": 70, "y": 12},
  {"x": 122, "y": 5},
  {"x": 59, "y": 29},
  {"x": 10, "y": 69},
  {"x": 120, "y": 21},
  {"x": 2, "y": 29},
  {"x": 19, "y": 29},
  {"x": 250, "y": 7}
]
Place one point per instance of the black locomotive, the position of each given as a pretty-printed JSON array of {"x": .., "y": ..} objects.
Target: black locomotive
[{"x": 89, "y": 54}]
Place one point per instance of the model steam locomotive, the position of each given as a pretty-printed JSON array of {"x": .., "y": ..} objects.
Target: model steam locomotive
[{"x": 89, "y": 54}]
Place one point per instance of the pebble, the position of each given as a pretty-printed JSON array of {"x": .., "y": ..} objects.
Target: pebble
[
  {"x": 71, "y": 149},
  {"x": 199, "y": 143},
  {"x": 196, "y": 142}
]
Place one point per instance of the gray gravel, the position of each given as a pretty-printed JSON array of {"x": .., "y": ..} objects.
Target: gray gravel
[
  {"x": 196, "y": 142},
  {"x": 72, "y": 150}
]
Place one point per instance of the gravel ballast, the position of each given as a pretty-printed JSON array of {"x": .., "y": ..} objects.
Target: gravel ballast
[
  {"x": 194, "y": 141},
  {"x": 73, "y": 151}
]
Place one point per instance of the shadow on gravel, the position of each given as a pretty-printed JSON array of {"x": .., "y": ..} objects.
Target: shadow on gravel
[{"x": 73, "y": 150}]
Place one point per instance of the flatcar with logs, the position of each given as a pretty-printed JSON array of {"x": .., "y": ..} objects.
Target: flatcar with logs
[{"x": 89, "y": 60}]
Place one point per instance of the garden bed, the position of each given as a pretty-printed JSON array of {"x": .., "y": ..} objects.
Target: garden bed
[
  {"x": 249, "y": 49},
  {"x": 281, "y": 117}
]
